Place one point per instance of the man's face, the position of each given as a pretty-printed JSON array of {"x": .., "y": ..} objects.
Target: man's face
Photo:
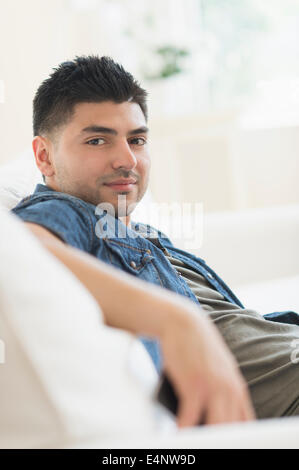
[{"x": 102, "y": 143}]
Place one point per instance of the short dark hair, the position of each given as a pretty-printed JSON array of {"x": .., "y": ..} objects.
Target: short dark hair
[{"x": 84, "y": 79}]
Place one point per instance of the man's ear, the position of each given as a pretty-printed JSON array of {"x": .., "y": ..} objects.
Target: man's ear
[{"x": 42, "y": 151}]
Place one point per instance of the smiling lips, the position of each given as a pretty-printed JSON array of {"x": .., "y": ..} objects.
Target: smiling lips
[{"x": 122, "y": 184}]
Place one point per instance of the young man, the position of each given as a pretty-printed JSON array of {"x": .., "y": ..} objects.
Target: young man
[{"x": 90, "y": 143}]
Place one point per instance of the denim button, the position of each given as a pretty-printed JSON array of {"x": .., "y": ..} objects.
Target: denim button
[
  {"x": 133, "y": 264},
  {"x": 210, "y": 275}
]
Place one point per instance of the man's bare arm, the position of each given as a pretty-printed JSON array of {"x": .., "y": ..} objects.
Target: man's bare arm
[
  {"x": 127, "y": 303},
  {"x": 202, "y": 369}
]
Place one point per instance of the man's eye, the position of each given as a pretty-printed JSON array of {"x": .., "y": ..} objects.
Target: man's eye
[
  {"x": 138, "y": 141},
  {"x": 95, "y": 141}
]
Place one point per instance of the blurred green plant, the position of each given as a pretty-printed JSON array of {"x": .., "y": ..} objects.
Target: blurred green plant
[{"x": 170, "y": 58}]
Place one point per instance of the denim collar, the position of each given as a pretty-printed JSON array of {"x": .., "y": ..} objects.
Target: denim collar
[{"x": 115, "y": 224}]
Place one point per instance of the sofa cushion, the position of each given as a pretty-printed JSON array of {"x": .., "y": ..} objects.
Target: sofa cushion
[
  {"x": 64, "y": 375},
  {"x": 18, "y": 179}
]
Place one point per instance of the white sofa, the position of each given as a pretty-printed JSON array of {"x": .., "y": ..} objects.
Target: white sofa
[
  {"x": 256, "y": 252},
  {"x": 69, "y": 381}
]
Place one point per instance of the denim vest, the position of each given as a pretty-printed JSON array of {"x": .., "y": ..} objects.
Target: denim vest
[{"x": 92, "y": 229}]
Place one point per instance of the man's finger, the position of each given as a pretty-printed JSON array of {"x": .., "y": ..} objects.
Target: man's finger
[
  {"x": 248, "y": 412},
  {"x": 224, "y": 407},
  {"x": 218, "y": 410},
  {"x": 190, "y": 409}
]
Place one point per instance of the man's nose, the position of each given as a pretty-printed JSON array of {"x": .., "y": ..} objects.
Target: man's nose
[{"x": 124, "y": 156}]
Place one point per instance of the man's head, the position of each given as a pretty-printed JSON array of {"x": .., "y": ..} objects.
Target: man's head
[{"x": 89, "y": 123}]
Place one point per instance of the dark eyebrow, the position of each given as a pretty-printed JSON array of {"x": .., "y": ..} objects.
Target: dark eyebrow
[
  {"x": 140, "y": 130},
  {"x": 108, "y": 130}
]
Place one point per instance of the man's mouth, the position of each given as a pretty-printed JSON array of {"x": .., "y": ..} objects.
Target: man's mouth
[{"x": 122, "y": 184}]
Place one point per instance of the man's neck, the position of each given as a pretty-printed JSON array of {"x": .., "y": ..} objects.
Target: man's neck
[{"x": 126, "y": 220}]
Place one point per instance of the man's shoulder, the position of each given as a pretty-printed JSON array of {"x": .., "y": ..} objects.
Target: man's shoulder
[
  {"x": 46, "y": 195},
  {"x": 65, "y": 215}
]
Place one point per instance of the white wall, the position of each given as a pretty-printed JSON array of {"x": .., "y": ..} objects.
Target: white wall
[
  {"x": 30, "y": 41},
  {"x": 212, "y": 160},
  {"x": 265, "y": 163}
]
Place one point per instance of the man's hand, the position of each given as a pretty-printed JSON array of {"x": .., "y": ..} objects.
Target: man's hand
[{"x": 203, "y": 371}]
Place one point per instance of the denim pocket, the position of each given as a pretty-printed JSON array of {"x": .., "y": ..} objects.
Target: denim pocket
[{"x": 125, "y": 257}]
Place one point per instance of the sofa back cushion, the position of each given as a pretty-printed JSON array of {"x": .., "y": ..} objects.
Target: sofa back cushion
[{"x": 64, "y": 375}]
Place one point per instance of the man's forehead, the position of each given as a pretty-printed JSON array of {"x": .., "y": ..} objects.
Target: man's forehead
[
  {"x": 107, "y": 111},
  {"x": 122, "y": 117}
]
